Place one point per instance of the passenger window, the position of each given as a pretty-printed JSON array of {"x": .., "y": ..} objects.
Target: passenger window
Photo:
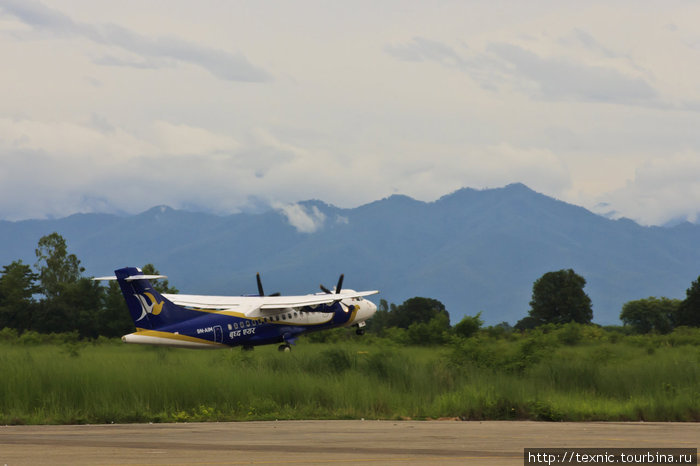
[
  {"x": 235, "y": 325},
  {"x": 247, "y": 323},
  {"x": 284, "y": 317}
]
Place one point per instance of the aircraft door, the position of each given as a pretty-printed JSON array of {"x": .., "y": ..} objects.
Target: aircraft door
[{"x": 218, "y": 334}]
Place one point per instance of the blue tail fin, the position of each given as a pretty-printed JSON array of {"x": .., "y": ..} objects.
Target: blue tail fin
[{"x": 148, "y": 308}]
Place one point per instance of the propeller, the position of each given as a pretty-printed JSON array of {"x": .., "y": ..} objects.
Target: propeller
[
  {"x": 260, "y": 287},
  {"x": 338, "y": 287}
]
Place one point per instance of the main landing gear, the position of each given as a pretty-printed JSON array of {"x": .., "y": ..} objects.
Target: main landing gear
[{"x": 285, "y": 348}]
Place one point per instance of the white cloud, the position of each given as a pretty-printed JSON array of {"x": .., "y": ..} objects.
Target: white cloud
[
  {"x": 558, "y": 78},
  {"x": 69, "y": 140},
  {"x": 554, "y": 77},
  {"x": 179, "y": 139},
  {"x": 100, "y": 140},
  {"x": 663, "y": 188},
  {"x": 127, "y": 105},
  {"x": 305, "y": 220},
  {"x": 153, "y": 52}
]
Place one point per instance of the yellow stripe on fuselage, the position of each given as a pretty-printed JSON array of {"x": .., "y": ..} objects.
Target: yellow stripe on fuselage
[{"x": 173, "y": 336}]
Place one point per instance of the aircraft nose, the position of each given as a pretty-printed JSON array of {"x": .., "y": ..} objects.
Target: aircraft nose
[
  {"x": 372, "y": 308},
  {"x": 367, "y": 310}
]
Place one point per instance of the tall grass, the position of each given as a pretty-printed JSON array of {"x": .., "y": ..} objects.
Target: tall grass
[{"x": 544, "y": 376}]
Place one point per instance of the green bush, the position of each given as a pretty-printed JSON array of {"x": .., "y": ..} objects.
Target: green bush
[
  {"x": 8, "y": 334},
  {"x": 468, "y": 326}
]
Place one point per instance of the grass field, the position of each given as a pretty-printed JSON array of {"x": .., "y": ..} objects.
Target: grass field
[{"x": 572, "y": 373}]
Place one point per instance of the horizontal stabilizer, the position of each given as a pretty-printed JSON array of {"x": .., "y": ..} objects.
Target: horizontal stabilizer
[{"x": 132, "y": 278}]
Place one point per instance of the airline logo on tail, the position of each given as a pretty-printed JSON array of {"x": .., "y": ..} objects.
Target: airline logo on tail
[{"x": 149, "y": 305}]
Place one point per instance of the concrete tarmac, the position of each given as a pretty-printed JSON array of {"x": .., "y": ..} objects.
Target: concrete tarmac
[{"x": 326, "y": 442}]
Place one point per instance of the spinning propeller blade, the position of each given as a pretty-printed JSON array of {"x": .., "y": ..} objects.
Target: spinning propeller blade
[
  {"x": 338, "y": 287},
  {"x": 260, "y": 287}
]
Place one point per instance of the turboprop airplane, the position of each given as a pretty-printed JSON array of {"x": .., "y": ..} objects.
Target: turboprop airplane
[{"x": 196, "y": 321}]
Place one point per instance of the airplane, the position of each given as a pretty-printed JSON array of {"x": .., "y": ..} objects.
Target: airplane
[{"x": 197, "y": 321}]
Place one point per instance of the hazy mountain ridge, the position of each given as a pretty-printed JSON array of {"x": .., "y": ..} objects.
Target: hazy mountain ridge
[{"x": 473, "y": 250}]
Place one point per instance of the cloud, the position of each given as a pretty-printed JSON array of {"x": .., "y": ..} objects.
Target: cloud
[
  {"x": 132, "y": 105},
  {"x": 180, "y": 139},
  {"x": 101, "y": 140},
  {"x": 554, "y": 77},
  {"x": 149, "y": 52},
  {"x": 98, "y": 166},
  {"x": 305, "y": 220},
  {"x": 63, "y": 167},
  {"x": 662, "y": 190},
  {"x": 421, "y": 49},
  {"x": 70, "y": 140},
  {"x": 537, "y": 167}
]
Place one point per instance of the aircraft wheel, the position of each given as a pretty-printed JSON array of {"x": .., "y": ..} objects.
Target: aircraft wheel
[
  {"x": 360, "y": 331},
  {"x": 284, "y": 348},
  {"x": 248, "y": 348}
]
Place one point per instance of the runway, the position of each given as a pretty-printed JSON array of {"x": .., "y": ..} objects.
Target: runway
[{"x": 326, "y": 442}]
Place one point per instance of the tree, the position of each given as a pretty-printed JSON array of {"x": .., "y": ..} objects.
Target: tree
[
  {"x": 433, "y": 332},
  {"x": 160, "y": 285},
  {"x": 114, "y": 317},
  {"x": 468, "y": 326},
  {"x": 76, "y": 306},
  {"x": 416, "y": 310},
  {"x": 650, "y": 314},
  {"x": 689, "y": 310},
  {"x": 527, "y": 323},
  {"x": 72, "y": 302},
  {"x": 380, "y": 320},
  {"x": 55, "y": 265},
  {"x": 558, "y": 297},
  {"x": 17, "y": 288}
]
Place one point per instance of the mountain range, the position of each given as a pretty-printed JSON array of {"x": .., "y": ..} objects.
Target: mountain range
[{"x": 474, "y": 250}]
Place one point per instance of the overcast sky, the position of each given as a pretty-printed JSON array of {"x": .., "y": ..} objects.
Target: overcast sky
[{"x": 225, "y": 105}]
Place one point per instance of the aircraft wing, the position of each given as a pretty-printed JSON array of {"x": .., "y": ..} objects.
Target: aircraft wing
[
  {"x": 206, "y": 303},
  {"x": 286, "y": 302},
  {"x": 253, "y": 306}
]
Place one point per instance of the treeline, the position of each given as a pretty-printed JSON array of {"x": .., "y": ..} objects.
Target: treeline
[
  {"x": 558, "y": 299},
  {"x": 419, "y": 321},
  {"x": 55, "y": 297}
]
